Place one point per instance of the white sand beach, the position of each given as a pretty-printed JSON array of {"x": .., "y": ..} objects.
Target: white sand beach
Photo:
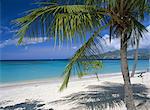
[{"x": 83, "y": 94}]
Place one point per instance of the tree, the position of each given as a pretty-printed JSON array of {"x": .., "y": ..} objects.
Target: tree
[
  {"x": 65, "y": 20},
  {"x": 135, "y": 59}
]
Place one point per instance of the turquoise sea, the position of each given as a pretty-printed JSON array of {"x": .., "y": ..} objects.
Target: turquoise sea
[{"x": 16, "y": 71}]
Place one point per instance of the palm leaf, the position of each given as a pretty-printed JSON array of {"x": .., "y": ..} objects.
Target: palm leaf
[
  {"x": 89, "y": 51},
  {"x": 68, "y": 21}
]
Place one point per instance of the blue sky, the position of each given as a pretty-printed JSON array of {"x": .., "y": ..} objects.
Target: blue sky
[{"x": 31, "y": 49}]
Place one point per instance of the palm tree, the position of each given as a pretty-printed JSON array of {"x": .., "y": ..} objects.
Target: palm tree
[
  {"x": 135, "y": 59},
  {"x": 64, "y": 20}
]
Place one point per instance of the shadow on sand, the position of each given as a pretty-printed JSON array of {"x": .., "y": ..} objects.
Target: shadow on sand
[
  {"x": 99, "y": 97},
  {"x": 31, "y": 105}
]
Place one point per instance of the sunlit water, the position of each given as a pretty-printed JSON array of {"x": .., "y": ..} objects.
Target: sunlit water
[{"x": 14, "y": 71}]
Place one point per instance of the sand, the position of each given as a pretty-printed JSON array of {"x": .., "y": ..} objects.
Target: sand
[{"x": 83, "y": 94}]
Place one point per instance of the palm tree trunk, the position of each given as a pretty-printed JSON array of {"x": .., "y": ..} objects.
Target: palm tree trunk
[
  {"x": 128, "y": 93},
  {"x": 135, "y": 59}
]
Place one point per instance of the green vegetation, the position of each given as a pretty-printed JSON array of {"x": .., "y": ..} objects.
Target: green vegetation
[
  {"x": 142, "y": 54},
  {"x": 70, "y": 21}
]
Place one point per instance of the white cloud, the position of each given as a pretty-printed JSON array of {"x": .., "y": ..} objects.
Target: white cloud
[
  {"x": 5, "y": 30},
  {"x": 74, "y": 47},
  {"x": 115, "y": 43},
  {"x": 145, "y": 42},
  {"x": 26, "y": 41},
  {"x": 108, "y": 46}
]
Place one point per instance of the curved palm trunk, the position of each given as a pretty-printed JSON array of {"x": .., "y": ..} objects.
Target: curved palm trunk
[
  {"x": 135, "y": 59},
  {"x": 129, "y": 101}
]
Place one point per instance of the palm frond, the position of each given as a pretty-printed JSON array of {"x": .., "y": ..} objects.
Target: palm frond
[
  {"x": 136, "y": 32},
  {"x": 89, "y": 52},
  {"x": 67, "y": 21},
  {"x": 128, "y": 20},
  {"x": 61, "y": 22}
]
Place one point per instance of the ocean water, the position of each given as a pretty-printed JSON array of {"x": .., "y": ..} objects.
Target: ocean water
[{"x": 16, "y": 71}]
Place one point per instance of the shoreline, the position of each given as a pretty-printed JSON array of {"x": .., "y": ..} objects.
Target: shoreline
[
  {"x": 57, "y": 80},
  {"x": 54, "y": 80}
]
